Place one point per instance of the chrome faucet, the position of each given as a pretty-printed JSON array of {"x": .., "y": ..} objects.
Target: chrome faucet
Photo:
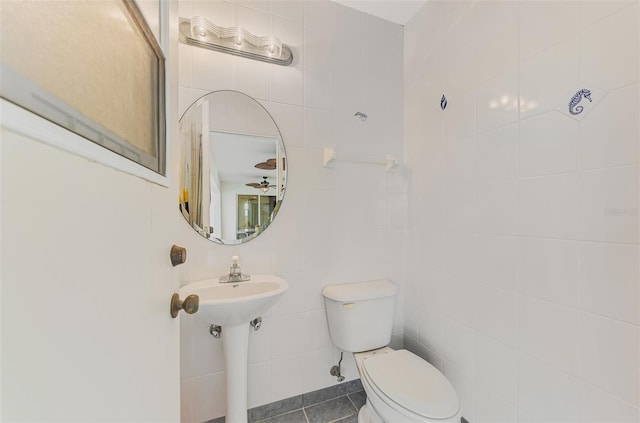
[{"x": 235, "y": 273}]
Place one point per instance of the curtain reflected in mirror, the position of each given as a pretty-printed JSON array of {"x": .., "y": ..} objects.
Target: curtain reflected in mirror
[{"x": 233, "y": 167}]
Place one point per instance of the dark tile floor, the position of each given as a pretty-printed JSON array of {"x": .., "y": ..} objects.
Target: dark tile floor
[
  {"x": 336, "y": 404},
  {"x": 339, "y": 410}
]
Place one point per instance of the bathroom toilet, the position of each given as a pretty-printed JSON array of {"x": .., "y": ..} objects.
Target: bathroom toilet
[{"x": 400, "y": 386}]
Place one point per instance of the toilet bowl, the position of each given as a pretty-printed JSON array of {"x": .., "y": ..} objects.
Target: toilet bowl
[{"x": 400, "y": 386}]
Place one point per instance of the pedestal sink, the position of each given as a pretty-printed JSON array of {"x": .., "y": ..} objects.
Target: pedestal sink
[{"x": 233, "y": 305}]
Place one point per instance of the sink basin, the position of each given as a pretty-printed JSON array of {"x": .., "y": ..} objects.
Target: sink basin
[{"x": 234, "y": 303}]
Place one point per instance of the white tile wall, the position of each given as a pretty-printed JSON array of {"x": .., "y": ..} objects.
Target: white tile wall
[
  {"x": 525, "y": 218},
  {"x": 336, "y": 225}
]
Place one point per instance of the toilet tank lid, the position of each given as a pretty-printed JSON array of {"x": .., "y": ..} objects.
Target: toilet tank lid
[{"x": 360, "y": 291}]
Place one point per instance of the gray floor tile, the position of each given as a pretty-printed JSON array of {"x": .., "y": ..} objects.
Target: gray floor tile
[
  {"x": 330, "y": 411},
  {"x": 335, "y": 391},
  {"x": 350, "y": 419},
  {"x": 275, "y": 408},
  {"x": 358, "y": 399},
  {"x": 297, "y": 416}
]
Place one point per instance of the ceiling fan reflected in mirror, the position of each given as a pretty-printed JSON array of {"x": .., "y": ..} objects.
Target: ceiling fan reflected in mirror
[
  {"x": 263, "y": 186},
  {"x": 270, "y": 164}
]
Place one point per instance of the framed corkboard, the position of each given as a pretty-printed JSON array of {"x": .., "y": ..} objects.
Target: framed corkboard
[{"x": 92, "y": 67}]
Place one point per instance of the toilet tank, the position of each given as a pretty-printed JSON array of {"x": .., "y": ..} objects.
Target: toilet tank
[{"x": 360, "y": 315}]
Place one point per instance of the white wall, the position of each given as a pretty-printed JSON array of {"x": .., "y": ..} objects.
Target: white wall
[
  {"x": 336, "y": 225},
  {"x": 85, "y": 287},
  {"x": 524, "y": 280}
]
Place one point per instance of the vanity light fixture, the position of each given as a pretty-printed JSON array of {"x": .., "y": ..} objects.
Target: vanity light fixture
[{"x": 200, "y": 32}]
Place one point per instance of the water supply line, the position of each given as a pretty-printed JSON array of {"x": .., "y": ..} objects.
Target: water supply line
[
  {"x": 215, "y": 331},
  {"x": 335, "y": 370}
]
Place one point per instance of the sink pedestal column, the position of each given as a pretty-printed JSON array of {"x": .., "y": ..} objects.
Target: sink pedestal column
[{"x": 235, "y": 343}]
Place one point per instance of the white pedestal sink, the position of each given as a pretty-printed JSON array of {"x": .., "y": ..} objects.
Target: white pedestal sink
[{"x": 233, "y": 305}]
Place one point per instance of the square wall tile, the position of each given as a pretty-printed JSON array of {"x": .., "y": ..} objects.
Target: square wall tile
[
  {"x": 493, "y": 408},
  {"x": 459, "y": 208},
  {"x": 609, "y": 135},
  {"x": 545, "y": 394},
  {"x": 549, "y": 269},
  {"x": 291, "y": 33},
  {"x": 290, "y": 377},
  {"x": 546, "y": 76},
  {"x": 259, "y": 343},
  {"x": 290, "y": 121},
  {"x": 549, "y": 332},
  {"x": 593, "y": 11},
  {"x": 534, "y": 36},
  {"x": 609, "y": 209},
  {"x": 498, "y": 261},
  {"x": 497, "y": 208},
  {"x": 318, "y": 34},
  {"x": 318, "y": 128},
  {"x": 211, "y": 70},
  {"x": 603, "y": 65},
  {"x": 430, "y": 291},
  {"x": 431, "y": 330},
  {"x": 209, "y": 396},
  {"x": 316, "y": 369},
  {"x": 287, "y": 85},
  {"x": 548, "y": 145},
  {"x": 289, "y": 9},
  {"x": 460, "y": 300},
  {"x": 431, "y": 247},
  {"x": 497, "y": 155},
  {"x": 349, "y": 90},
  {"x": 494, "y": 29},
  {"x": 219, "y": 12},
  {"x": 609, "y": 352},
  {"x": 318, "y": 88},
  {"x": 459, "y": 254},
  {"x": 598, "y": 406},
  {"x": 497, "y": 101},
  {"x": 550, "y": 206},
  {"x": 496, "y": 314},
  {"x": 348, "y": 26},
  {"x": 610, "y": 283},
  {"x": 462, "y": 383},
  {"x": 259, "y": 381},
  {"x": 252, "y": 77},
  {"x": 459, "y": 115},
  {"x": 497, "y": 367}
]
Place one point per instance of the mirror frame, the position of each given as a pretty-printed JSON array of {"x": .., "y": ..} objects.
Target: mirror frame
[{"x": 181, "y": 160}]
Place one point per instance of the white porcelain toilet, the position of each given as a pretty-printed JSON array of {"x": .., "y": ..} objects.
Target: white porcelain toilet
[{"x": 401, "y": 387}]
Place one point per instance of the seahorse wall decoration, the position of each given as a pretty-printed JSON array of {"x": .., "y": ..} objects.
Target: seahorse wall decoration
[{"x": 574, "y": 109}]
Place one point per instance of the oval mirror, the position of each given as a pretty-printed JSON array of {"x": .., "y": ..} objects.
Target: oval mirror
[{"x": 233, "y": 167}]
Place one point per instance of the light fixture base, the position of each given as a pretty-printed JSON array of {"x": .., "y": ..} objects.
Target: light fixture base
[{"x": 208, "y": 40}]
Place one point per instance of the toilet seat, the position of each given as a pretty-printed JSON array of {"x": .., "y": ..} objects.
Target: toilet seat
[{"x": 410, "y": 385}]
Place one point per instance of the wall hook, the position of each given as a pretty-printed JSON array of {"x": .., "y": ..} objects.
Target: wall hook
[{"x": 362, "y": 116}]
